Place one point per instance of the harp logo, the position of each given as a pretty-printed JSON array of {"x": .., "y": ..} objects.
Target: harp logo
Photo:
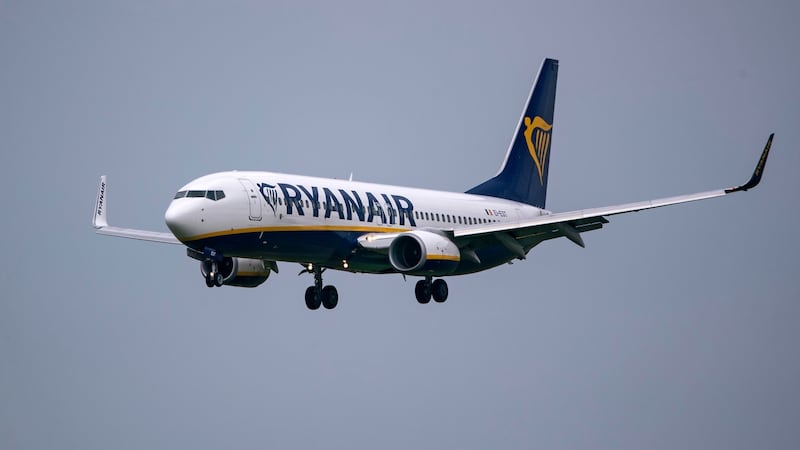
[{"x": 537, "y": 137}]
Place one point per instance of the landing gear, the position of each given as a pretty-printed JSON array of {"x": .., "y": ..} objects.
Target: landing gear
[
  {"x": 425, "y": 289},
  {"x": 313, "y": 298},
  {"x": 318, "y": 294},
  {"x": 439, "y": 290},
  {"x": 214, "y": 277},
  {"x": 330, "y": 297},
  {"x": 212, "y": 262}
]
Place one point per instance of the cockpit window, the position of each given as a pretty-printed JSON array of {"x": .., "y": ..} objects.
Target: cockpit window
[
  {"x": 215, "y": 195},
  {"x": 211, "y": 195}
]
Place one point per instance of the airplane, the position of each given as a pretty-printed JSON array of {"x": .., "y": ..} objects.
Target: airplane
[{"x": 239, "y": 224}]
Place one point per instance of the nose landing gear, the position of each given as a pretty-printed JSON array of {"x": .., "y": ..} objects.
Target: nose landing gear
[
  {"x": 212, "y": 260},
  {"x": 214, "y": 277}
]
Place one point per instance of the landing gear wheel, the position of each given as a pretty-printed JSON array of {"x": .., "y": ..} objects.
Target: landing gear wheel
[
  {"x": 423, "y": 291},
  {"x": 330, "y": 297},
  {"x": 313, "y": 298},
  {"x": 439, "y": 290},
  {"x": 209, "y": 281},
  {"x": 218, "y": 279}
]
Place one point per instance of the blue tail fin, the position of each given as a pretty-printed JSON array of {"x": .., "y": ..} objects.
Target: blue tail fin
[{"x": 523, "y": 176}]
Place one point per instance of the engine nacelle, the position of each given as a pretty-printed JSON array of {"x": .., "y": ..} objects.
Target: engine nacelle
[
  {"x": 242, "y": 272},
  {"x": 424, "y": 253}
]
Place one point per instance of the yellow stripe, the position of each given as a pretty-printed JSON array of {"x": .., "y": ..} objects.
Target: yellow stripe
[
  {"x": 455, "y": 258},
  {"x": 296, "y": 228},
  {"x": 250, "y": 274}
]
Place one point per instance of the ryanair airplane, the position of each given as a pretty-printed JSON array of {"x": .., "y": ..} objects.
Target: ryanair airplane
[{"x": 240, "y": 224}]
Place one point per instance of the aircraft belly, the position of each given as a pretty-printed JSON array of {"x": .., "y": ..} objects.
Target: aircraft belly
[
  {"x": 490, "y": 256},
  {"x": 321, "y": 247}
]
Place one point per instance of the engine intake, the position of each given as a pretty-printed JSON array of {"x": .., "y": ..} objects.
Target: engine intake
[
  {"x": 423, "y": 253},
  {"x": 242, "y": 272}
]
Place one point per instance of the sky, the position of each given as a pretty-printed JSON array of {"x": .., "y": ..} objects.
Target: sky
[{"x": 674, "y": 328}]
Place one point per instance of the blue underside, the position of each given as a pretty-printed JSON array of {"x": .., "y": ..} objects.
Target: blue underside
[{"x": 328, "y": 249}]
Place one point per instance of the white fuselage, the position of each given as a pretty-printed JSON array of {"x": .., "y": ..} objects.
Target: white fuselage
[{"x": 304, "y": 219}]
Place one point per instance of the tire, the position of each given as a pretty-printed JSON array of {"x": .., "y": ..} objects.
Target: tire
[
  {"x": 312, "y": 298},
  {"x": 330, "y": 297},
  {"x": 423, "y": 292},
  {"x": 218, "y": 279},
  {"x": 209, "y": 281},
  {"x": 439, "y": 290}
]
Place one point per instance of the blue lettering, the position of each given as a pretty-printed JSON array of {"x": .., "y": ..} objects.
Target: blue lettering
[
  {"x": 352, "y": 205},
  {"x": 375, "y": 208},
  {"x": 404, "y": 209},
  {"x": 389, "y": 209},
  {"x": 292, "y": 199},
  {"x": 332, "y": 204},
  {"x": 313, "y": 196}
]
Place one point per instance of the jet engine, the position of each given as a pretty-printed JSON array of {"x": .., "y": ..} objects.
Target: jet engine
[
  {"x": 424, "y": 253},
  {"x": 242, "y": 272}
]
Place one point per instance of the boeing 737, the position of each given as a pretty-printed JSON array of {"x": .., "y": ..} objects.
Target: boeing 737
[{"x": 239, "y": 225}]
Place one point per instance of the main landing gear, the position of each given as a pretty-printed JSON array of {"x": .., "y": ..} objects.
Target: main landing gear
[
  {"x": 318, "y": 294},
  {"x": 425, "y": 289}
]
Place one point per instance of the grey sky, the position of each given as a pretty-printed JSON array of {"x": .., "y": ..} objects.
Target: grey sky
[{"x": 674, "y": 328}]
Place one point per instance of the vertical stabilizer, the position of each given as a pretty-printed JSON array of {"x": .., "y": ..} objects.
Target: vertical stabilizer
[{"x": 523, "y": 175}]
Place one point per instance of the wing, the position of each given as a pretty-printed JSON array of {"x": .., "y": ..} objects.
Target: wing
[
  {"x": 100, "y": 222},
  {"x": 520, "y": 237}
]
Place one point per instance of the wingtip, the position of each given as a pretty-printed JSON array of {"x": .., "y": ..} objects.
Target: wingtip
[{"x": 759, "y": 170}]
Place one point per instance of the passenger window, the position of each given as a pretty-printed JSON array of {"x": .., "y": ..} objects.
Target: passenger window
[
  {"x": 437, "y": 217},
  {"x": 180, "y": 194}
]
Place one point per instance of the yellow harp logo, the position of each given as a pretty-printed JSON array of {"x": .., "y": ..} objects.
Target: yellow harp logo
[{"x": 537, "y": 136}]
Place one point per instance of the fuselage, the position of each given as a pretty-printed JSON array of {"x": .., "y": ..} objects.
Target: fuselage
[{"x": 281, "y": 217}]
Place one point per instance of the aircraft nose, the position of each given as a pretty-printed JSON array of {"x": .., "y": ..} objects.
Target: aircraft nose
[{"x": 178, "y": 218}]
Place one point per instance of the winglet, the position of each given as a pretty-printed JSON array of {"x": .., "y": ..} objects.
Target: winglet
[
  {"x": 757, "y": 174},
  {"x": 100, "y": 219}
]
